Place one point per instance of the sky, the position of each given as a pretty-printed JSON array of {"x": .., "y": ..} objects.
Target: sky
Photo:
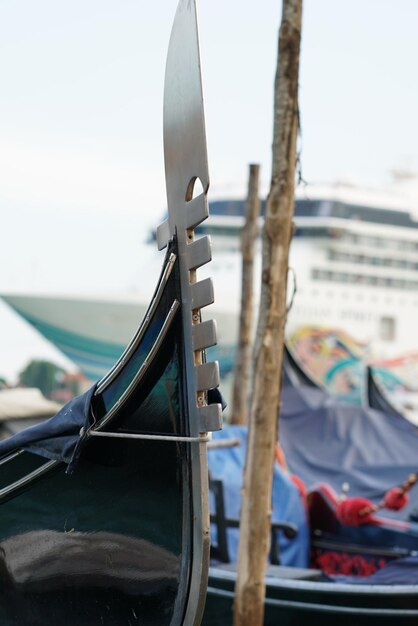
[{"x": 81, "y": 147}]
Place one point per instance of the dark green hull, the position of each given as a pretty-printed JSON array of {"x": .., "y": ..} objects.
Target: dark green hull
[
  {"x": 94, "y": 547},
  {"x": 292, "y": 602}
]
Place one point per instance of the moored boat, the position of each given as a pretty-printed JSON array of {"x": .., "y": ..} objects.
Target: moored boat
[
  {"x": 104, "y": 507},
  {"x": 350, "y": 580},
  {"x": 353, "y": 572},
  {"x": 306, "y": 597}
]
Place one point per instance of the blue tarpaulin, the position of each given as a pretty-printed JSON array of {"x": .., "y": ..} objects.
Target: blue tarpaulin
[
  {"x": 227, "y": 464},
  {"x": 61, "y": 437},
  {"x": 326, "y": 440},
  {"x": 58, "y": 437}
]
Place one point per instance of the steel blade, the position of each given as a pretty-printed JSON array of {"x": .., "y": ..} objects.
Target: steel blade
[{"x": 185, "y": 153}]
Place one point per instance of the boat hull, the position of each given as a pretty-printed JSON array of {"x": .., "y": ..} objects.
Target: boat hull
[
  {"x": 292, "y": 602},
  {"x": 85, "y": 537},
  {"x": 93, "y": 332},
  {"x": 93, "y": 547}
]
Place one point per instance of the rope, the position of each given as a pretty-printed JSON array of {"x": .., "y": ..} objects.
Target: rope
[{"x": 400, "y": 491}]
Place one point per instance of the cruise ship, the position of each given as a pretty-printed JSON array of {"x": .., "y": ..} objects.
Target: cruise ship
[{"x": 354, "y": 269}]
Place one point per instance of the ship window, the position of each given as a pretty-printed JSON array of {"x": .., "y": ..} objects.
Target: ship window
[
  {"x": 364, "y": 279},
  {"x": 387, "y": 328}
]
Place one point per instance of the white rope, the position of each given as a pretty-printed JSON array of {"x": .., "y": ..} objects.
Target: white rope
[{"x": 201, "y": 439}]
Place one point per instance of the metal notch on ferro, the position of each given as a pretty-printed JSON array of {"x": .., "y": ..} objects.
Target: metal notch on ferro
[
  {"x": 204, "y": 335},
  {"x": 210, "y": 418},
  {"x": 198, "y": 253},
  {"x": 207, "y": 376},
  {"x": 197, "y": 211},
  {"x": 163, "y": 234},
  {"x": 202, "y": 294}
]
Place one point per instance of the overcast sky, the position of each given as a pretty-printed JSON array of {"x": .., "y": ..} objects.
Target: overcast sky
[{"x": 81, "y": 84}]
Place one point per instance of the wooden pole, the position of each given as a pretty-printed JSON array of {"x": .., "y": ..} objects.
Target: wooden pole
[
  {"x": 256, "y": 495},
  {"x": 245, "y": 343}
]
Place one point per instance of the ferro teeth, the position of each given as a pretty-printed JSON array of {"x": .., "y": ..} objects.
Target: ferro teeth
[
  {"x": 198, "y": 253},
  {"x": 204, "y": 335},
  {"x": 207, "y": 376},
  {"x": 163, "y": 234},
  {"x": 210, "y": 418},
  {"x": 197, "y": 211},
  {"x": 202, "y": 294}
]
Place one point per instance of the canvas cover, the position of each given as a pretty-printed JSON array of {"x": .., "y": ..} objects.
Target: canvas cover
[
  {"x": 326, "y": 440},
  {"x": 227, "y": 464},
  {"x": 61, "y": 437},
  {"x": 58, "y": 437}
]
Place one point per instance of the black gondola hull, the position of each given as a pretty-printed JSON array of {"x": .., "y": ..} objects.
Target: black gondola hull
[{"x": 291, "y": 602}]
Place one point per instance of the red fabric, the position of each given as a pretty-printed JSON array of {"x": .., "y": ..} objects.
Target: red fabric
[
  {"x": 298, "y": 482},
  {"x": 348, "y": 511},
  {"x": 395, "y": 499},
  {"x": 301, "y": 486},
  {"x": 333, "y": 562},
  {"x": 279, "y": 456}
]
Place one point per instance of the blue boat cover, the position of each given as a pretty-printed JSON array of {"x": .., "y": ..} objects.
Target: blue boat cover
[
  {"x": 57, "y": 438},
  {"x": 227, "y": 464},
  {"x": 60, "y": 438},
  {"x": 326, "y": 440}
]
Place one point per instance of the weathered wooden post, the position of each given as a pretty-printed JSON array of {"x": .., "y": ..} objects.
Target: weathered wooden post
[
  {"x": 245, "y": 344},
  {"x": 256, "y": 497}
]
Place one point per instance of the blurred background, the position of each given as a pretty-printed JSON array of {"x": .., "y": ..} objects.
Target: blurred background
[{"x": 81, "y": 151}]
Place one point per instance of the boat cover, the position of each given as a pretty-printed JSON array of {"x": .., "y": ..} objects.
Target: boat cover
[
  {"x": 328, "y": 441},
  {"x": 61, "y": 437},
  {"x": 57, "y": 437},
  {"x": 227, "y": 464}
]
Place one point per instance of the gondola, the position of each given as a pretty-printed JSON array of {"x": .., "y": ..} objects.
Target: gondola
[
  {"x": 103, "y": 508},
  {"x": 293, "y": 373},
  {"x": 376, "y": 397},
  {"x": 294, "y": 598},
  {"x": 371, "y": 393},
  {"x": 299, "y": 595},
  {"x": 354, "y": 575}
]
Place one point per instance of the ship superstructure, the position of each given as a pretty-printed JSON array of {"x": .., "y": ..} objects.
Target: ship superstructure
[{"x": 354, "y": 266}]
